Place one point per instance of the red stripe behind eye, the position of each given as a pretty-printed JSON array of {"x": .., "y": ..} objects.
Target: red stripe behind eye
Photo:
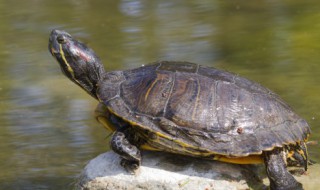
[{"x": 83, "y": 56}]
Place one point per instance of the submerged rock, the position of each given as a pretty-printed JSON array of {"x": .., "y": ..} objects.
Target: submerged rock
[{"x": 162, "y": 171}]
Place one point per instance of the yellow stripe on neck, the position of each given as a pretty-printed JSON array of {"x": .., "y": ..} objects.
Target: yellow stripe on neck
[{"x": 66, "y": 62}]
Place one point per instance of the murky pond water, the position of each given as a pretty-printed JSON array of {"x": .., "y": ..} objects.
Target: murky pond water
[{"x": 48, "y": 132}]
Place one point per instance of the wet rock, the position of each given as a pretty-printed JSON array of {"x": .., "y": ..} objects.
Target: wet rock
[{"x": 162, "y": 171}]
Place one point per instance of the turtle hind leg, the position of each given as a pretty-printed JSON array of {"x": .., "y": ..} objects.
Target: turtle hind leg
[
  {"x": 298, "y": 155},
  {"x": 279, "y": 177},
  {"x": 130, "y": 154}
]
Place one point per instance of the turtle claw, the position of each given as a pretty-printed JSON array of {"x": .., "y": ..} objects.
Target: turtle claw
[
  {"x": 130, "y": 154},
  {"x": 131, "y": 166}
]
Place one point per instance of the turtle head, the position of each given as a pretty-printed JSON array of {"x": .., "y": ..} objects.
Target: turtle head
[{"x": 78, "y": 62}]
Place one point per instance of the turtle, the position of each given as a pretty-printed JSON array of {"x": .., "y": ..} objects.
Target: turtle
[{"x": 188, "y": 109}]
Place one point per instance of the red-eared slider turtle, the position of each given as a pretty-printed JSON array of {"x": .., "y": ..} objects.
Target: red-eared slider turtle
[{"x": 188, "y": 109}]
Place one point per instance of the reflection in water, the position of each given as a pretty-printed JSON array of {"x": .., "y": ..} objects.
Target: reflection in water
[
  {"x": 165, "y": 36},
  {"x": 48, "y": 131}
]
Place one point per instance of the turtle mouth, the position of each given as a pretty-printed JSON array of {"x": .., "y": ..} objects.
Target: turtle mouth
[{"x": 53, "y": 50}]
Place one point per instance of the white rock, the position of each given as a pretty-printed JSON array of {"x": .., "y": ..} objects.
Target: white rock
[{"x": 162, "y": 171}]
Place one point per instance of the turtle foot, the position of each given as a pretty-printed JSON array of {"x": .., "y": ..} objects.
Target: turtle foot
[{"x": 131, "y": 166}]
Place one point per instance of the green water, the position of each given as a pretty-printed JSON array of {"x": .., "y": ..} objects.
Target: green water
[{"x": 48, "y": 132}]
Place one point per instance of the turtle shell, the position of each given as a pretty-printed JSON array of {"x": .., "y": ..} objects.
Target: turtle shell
[{"x": 191, "y": 109}]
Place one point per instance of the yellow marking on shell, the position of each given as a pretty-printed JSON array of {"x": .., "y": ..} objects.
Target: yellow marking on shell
[
  {"x": 167, "y": 137},
  {"x": 66, "y": 62},
  {"x": 148, "y": 91},
  {"x": 201, "y": 154},
  {"x": 252, "y": 159},
  {"x": 148, "y": 147}
]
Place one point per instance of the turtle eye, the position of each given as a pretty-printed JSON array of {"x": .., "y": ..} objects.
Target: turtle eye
[{"x": 61, "y": 39}]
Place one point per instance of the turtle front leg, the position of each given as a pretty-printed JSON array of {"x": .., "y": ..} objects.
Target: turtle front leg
[
  {"x": 130, "y": 154},
  {"x": 279, "y": 176}
]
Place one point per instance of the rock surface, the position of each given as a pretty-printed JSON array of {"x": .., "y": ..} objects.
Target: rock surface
[{"x": 162, "y": 171}]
